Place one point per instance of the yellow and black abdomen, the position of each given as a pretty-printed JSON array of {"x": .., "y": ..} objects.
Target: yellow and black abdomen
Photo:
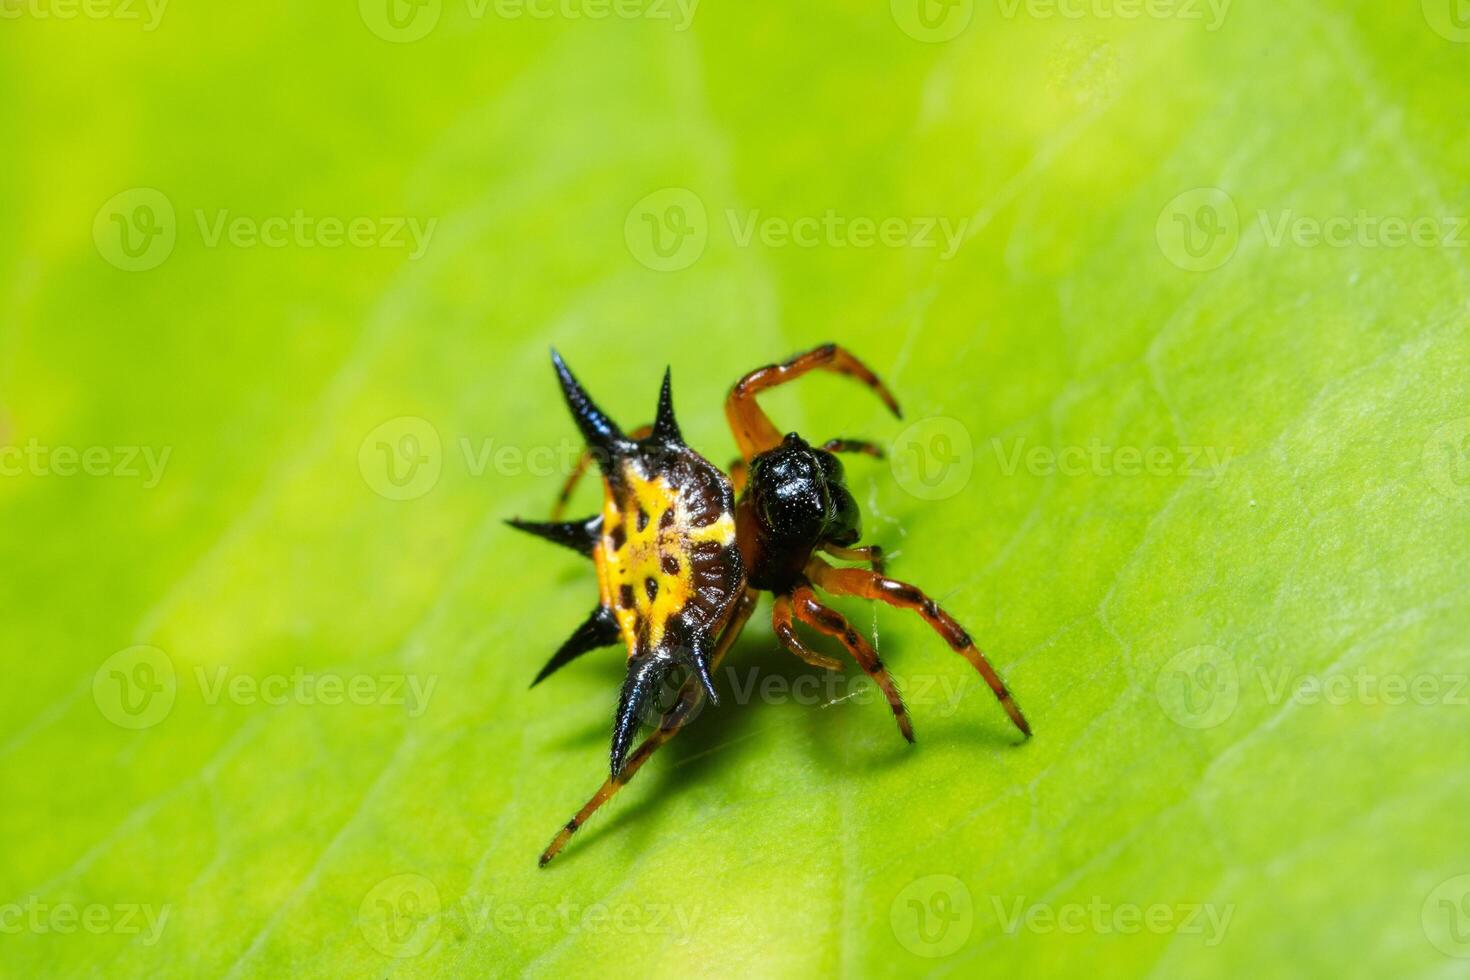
[
  {"x": 667, "y": 561},
  {"x": 669, "y": 570}
]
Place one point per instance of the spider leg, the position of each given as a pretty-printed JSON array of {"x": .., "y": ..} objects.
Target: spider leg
[
  {"x": 689, "y": 697},
  {"x": 811, "y": 611},
  {"x": 872, "y": 554},
  {"x": 863, "y": 446},
  {"x": 870, "y": 585},
  {"x": 739, "y": 475},
  {"x": 579, "y": 469},
  {"x": 754, "y": 432},
  {"x": 786, "y": 632}
]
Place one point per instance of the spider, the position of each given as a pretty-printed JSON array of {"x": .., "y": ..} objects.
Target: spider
[{"x": 682, "y": 552}]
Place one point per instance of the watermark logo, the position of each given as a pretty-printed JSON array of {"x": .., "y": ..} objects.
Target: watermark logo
[
  {"x": 402, "y": 458},
  {"x": 932, "y": 916},
  {"x": 1450, "y": 19},
  {"x": 1199, "y": 687},
  {"x": 399, "y": 917},
  {"x": 933, "y": 458},
  {"x": 135, "y": 688},
  {"x": 400, "y": 21},
  {"x": 1446, "y": 917},
  {"x": 1199, "y": 230},
  {"x": 136, "y": 229},
  {"x": 1447, "y": 459},
  {"x": 932, "y": 21},
  {"x": 668, "y": 229}
]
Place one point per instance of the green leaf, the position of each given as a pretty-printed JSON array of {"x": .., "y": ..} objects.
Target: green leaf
[{"x": 1185, "y": 449}]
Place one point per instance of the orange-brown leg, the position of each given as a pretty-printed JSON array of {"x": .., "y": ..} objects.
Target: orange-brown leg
[
  {"x": 868, "y": 585},
  {"x": 854, "y": 446},
  {"x": 754, "y": 432},
  {"x": 579, "y": 469},
  {"x": 739, "y": 475},
  {"x": 872, "y": 554},
  {"x": 785, "y": 631},
  {"x": 811, "y": 611},
  {"x": 689, "y": 697}
]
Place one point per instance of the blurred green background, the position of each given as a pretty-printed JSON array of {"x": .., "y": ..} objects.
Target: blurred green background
[{"x": 1174, "y": 295}]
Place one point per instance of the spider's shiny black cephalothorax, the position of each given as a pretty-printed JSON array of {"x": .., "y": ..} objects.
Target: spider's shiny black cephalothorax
[
  {"x": 796, "y": 501},
  {"x": 681, "y": 560}
]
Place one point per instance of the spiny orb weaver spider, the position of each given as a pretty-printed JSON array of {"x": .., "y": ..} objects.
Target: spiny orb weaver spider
[{"x": 681, "y": 561}]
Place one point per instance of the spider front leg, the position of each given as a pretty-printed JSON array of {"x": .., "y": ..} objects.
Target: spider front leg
[
  {"x": 854, "y": 446},
  {"x": 872, "y": 554},
  {"x": 674, "y": 719},
  {"x": 754, "y": 432},
  {"x": 739, "y": 475},
  {"x": 869, "y": 585},
  {"x": 831, "y": 622},
  {"x": 785, "y": 631}
]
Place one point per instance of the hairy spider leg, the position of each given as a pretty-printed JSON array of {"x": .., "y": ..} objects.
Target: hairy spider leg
[{"x": 901, "y": 595}]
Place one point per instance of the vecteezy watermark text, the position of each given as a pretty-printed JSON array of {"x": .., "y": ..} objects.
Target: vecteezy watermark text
[
  {"x": 121, "y": 462},
  {"x": 1211, "y": 12},
  {"x": 1363, "y": 229},
  {"x": 402, "y": 916},
  {"x": 136, "y": 688},
  {"x": 1202, "y": 686},
  {"x": 406, "y": 21},
  {"x": 148, "y": 12},
  {"x": 302, "y": 230},
  {"x": 1100, "y": 916},
  {"x": 136, "y": 230},
  {"x": 409, "y": 691},
  {"x": 1100, "y": 459},
  {"x": 835, "y": 230},
  {"x": 97, "y": 918},
  {"x": 668, "y": 230}
]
